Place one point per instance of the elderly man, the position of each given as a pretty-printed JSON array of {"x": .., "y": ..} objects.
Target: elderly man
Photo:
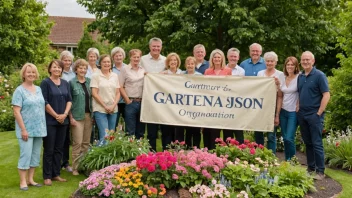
[
  {"x": 199, "y": 53},
  {"x": 154, "y": 62},
  {"x": 233, "y": 55},
  {"x": 252, "y": 66},
  {"x": 313, "y": 91}
]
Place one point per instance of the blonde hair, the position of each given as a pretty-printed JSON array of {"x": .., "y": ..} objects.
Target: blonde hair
[
  {"x": 168, "y": 59},
  {"x": 217, "y": 51},
  {"x": 190, "y": 58},
  {"x": 24, "y": 68}
]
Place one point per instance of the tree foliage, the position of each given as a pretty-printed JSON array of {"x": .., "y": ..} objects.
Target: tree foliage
[
  {"x": 286, "y": 27},
  {"x": 340, "y": 106},
  {"x": 24, "y": 31},
  {"x": 87, "y": 42}
]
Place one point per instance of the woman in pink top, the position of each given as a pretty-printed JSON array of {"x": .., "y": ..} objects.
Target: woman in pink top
[{"x": 217, "y": 67}]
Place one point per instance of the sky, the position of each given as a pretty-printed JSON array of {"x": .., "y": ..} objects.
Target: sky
[{"x": 66, "y": 8}]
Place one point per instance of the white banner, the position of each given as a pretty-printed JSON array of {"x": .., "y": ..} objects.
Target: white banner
[{"x": 222, "y": 102}]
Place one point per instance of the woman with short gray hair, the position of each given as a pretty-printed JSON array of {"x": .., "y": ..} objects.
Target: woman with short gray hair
[{"x": 92, "y": 57}]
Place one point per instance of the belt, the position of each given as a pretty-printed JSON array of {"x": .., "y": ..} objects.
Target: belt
[{"x": 136, "y": 99}]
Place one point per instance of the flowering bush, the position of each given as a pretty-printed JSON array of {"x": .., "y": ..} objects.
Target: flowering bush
[
  {"x": 213, "y": 190},
  {"x": 177, "y": 146},
  {"x": 338, "y": 149},
  {"x": 120, "y": 148},
  {"x": 157, "y": 168},
  {"x": 7, "y": 120},
  {"x": 197, "y": 167},
  {"x": 247, "y": 151}
]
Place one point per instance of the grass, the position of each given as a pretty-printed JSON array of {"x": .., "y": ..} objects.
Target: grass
[
  {"x": 9, "y": 185},
  {"x": 345, "y": 179}
]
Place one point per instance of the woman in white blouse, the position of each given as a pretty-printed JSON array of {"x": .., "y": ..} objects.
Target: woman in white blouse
[
  {"x": 289, "y": 106},
  {"x": 271, "y": 59}
]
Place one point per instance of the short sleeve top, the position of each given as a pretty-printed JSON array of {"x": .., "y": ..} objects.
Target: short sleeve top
[
  {"x": 32, "y": 111},
  {"x": 107, "y": 87}
]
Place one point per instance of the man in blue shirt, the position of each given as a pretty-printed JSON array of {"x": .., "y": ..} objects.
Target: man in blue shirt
[
  {"x": 314, "y": 95},
  {"x": 199, "y": 53},
  {"x": 251, "y": 67}
]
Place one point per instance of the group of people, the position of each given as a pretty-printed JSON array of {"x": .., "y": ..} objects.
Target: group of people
[{"x": 104, "y": 88}]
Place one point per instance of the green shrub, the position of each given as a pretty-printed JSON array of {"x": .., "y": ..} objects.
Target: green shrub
[{"x": 121, "y": 148}]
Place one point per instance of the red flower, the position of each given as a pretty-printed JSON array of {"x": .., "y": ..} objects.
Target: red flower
[
  {"x": 234, "y": 142},
  {"x": 2, "y": 97},
  {"x": 337, "y": 144},
  {"x": 252, "y": 151},
  {"x": 112, "y": 138},
  {"x": 246, "y": 141},
  {"x": 182, "y": 143},
  {"x": 261, "y": 146}
]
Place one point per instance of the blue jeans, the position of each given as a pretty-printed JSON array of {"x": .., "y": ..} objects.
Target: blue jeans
[
  {"x": 132, "y": 119},
  {"x": 272, "y": 140},
  {"x": 104, "y": 122},
  {"x": 288, "y": 125},
  {"x": 311, "y": 130}
]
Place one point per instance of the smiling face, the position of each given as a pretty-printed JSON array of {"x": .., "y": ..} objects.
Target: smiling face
[
  {"x": 30, "y": 74},
  {"x": 81, "y": 70},
  {"x": 233, "y": 57},
  {"x": 270, "y": 63},
  {"x": 92, "y": 58},
  {"x": 173, "y": 63},
  {"x": 290, "y": 67},
  {"x": 307, "y": 61},
  {"x": 105, "y": 64},
  {"x": 199, "y": 54},
  {"x": 55, "y": 70},
  {"x": 155, "y": 48},
  {"x": 67, "y": 62},
  {"x": 217, "y": 60},
  {"x": 190, "y": 66},
  {"x": 118, "y": 58},
  {"x": 255, "y": 52},
  {"x": 135, "y": 59}
]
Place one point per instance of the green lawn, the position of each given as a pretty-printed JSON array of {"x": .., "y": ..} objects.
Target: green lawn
[{"x": 9, "y": 184}]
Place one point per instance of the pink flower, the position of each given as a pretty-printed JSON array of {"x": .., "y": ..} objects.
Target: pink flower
[
  {"x": 252, "y": 151},
  {"x": 182, "y": 143},
  {"x": 174, "y": 176}
]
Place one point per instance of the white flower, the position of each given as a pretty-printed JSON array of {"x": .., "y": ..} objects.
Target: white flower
[
  {"x": 6, "y": 85},
  {"x": 5, "y": 80},
  {"x": 4, "y": 110}
]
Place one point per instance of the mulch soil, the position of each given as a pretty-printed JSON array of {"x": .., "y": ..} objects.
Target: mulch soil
[{"x": 326, "y": 188}]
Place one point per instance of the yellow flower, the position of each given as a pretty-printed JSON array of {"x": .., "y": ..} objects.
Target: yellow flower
[
  {"x": 124, "y": 184},
  {"x": 140, "y": 192},
  {"x": 138, "y": 180},
  {"x": 149, "y": 192},
  {"x": 130, "y": 183},
  {"x": 135, "y": 185}
]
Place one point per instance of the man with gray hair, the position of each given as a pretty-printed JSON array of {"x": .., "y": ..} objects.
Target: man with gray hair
[
  {"x": 314, "y": 95},
  {"x": 154, "y": 62},
  {"x": 252, "y": 66},
  {"x": 199, "y": 53}
]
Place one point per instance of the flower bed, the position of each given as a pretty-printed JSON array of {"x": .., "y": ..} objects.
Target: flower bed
[{"x": 233, "y": 170}]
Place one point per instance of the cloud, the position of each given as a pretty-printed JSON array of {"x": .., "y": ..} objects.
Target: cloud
[{"x": 66, "y": 8}]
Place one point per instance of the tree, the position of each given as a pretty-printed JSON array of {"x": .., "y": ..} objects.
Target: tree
[
  {"x": 340, "y": 106},
  {"x": 286, "y": 27},
  {"x": 24, "y": 31},
  {"x": 87, "y": 42}
]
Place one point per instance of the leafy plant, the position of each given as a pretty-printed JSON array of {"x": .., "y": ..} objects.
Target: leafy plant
[{"x": 121, "y": 148}]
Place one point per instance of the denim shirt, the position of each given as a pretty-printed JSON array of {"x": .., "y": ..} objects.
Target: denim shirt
[{"x": 78, "y": 98}]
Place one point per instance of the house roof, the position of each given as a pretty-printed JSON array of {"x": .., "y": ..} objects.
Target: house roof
[{"x": 68, "y": 30}]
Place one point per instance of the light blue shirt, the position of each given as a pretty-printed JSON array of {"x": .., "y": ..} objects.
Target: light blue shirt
[
  {"x": 252, "y": 69},
  {"x": 68, "y": 75},
  {"x": 117, "y": 71},
  {"x": 195, "y": 73},
  {"x": 32, "y": 111}
]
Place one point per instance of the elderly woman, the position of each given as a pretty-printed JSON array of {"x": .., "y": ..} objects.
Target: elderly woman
[
  {"x": 80, "y": 116},
  {"x": 131, "y": 81},
  {"x": 29, "y": 111},
  {"x": 289, "y": 105},
  {"x": 57, "y": 96},
  {"x": 67, "y": 58},
  {"x": 118, "y": 55},
  {"x": 193, "y": 134},
  {"x": 172, "y": 64},
  {"x": 92, "y": 57},
  {"x": 271, "y": 59},
  {"x": 217, "y": 67},
  {"x": 170, "y": 132},
  {"x": 106, "y": 94},
  {"x": 67, "y": 74}
]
